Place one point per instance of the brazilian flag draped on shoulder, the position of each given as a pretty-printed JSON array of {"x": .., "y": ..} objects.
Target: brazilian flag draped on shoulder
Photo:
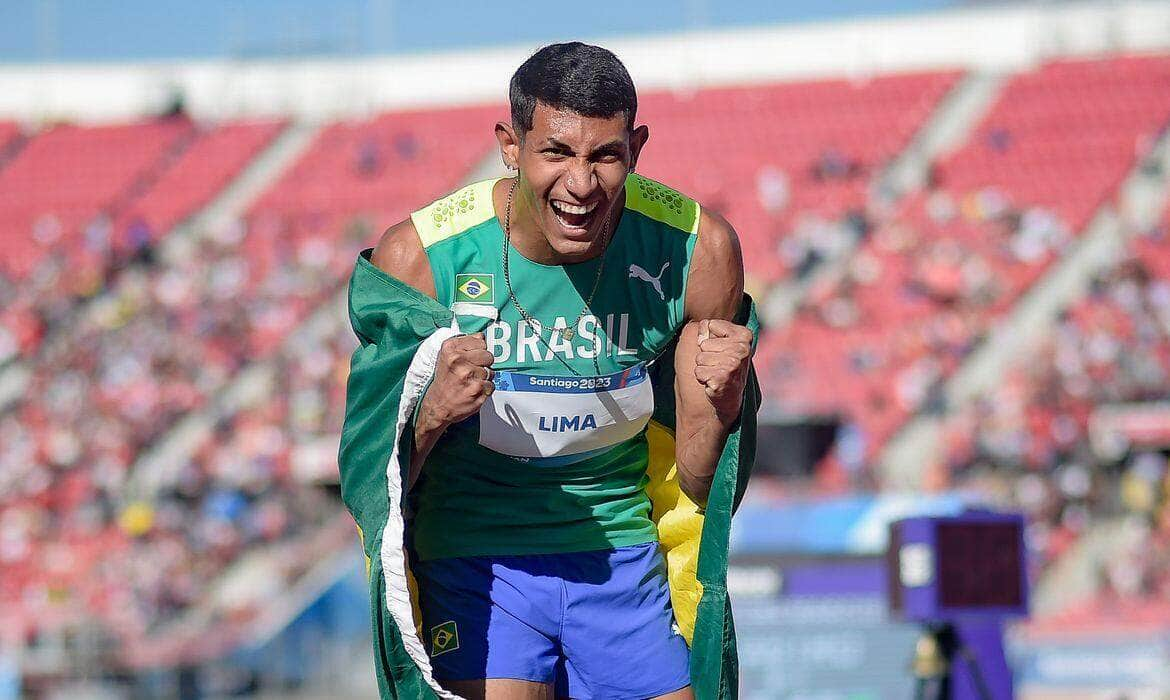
[{"x": 400, "y": 332}]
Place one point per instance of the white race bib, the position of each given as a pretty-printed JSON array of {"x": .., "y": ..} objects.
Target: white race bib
[{"x": 560, "y": 420}]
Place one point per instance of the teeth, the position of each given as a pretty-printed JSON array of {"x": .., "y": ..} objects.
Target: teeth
[{"x": 574, "y": 209}]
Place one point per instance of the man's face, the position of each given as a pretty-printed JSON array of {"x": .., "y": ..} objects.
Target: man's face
[{"x": 572, "y": 170}]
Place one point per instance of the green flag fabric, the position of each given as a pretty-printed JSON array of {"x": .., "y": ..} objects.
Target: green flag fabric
[{"x": 400, "y": 332}]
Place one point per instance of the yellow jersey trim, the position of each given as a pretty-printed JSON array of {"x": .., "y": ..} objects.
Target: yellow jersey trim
[
  {"x": 455, "y": 213},
  {"x": 662, "y": 204}
]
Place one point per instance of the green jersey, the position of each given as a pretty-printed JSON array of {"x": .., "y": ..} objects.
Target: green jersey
[{"x": 555, "y": 460}]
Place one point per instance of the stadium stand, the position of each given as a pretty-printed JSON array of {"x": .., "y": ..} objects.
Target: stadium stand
[
  {"x": 173, "y": 169},
  {"x": 787, "y": 162},
  {"x": 355, "y": 180},
  {"x": 195, "y": 177},
  {"x": 1029, "y": 444},
  {"x": 60, "y": 191},
  {"x": 874, "y": 345},
  {"x": 10, "y": 136},
  {"x": 224, "y": 302}
]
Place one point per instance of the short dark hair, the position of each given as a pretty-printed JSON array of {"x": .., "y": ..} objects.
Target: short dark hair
[{"x": 581, "y": 78}]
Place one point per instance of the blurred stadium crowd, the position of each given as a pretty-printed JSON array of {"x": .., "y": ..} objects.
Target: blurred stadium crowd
[{"x": 118, "y": 320}]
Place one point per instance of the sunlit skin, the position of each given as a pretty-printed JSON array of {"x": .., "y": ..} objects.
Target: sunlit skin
[{"x": 566, "y": 158}]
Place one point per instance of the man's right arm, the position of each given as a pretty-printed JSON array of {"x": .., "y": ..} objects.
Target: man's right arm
[{"x": 462, "y": 375}]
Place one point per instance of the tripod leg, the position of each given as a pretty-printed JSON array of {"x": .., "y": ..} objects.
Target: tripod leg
[{"x": 976, "y": 672}]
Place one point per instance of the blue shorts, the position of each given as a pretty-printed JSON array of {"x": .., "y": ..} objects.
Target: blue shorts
[{"x": 597, "y": 624}]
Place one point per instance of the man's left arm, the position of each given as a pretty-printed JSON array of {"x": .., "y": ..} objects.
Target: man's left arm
[{"x": 712, "y": 359}]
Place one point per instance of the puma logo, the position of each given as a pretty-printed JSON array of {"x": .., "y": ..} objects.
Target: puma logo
[{"x": 656, "y": 282}]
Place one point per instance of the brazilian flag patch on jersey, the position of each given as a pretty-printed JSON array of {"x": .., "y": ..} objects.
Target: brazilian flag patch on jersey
[
  {"x": 444, "y": 638},
  {"x": 475, "y": 288}
]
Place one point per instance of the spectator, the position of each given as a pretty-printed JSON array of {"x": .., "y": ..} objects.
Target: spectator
[
  {"x": 832, "y": 165},
  {"x": 369, "y": 157},
  {"x": 772, "y": 189}
]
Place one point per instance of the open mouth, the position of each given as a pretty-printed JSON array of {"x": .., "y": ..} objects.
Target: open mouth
[{"x": 575, "y": 218}]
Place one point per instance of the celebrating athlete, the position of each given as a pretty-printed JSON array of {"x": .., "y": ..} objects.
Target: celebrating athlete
[{"x": 591, "y": 311}]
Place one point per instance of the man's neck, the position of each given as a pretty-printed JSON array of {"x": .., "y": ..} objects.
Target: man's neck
[{"x": 528, "y": 237}]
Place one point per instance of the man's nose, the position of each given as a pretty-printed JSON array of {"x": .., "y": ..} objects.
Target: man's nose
[{"x": 581, "y": 180}]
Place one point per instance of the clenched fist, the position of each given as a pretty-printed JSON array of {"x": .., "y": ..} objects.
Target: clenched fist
[
  {"x": 463, "y": 381},
  {"x": 721, "y": 366}
]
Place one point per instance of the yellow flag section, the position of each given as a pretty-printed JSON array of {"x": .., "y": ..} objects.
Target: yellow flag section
[
  {"x": 411, "y": 584},
  {"x": 680, "y": 527}
]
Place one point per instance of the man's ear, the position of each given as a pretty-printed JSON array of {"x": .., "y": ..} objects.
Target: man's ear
[
  {"x": 509, "y": 145},
  {"x": 637, "y": 140}
]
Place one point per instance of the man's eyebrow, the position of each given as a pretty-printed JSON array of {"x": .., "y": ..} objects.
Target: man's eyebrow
[{"x": 617, "y": 145}]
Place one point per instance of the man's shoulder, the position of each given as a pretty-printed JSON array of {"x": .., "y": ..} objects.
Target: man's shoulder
[
  {"x": 717, "y": 234},
  {"x": 453, "y": 214},
  {"x": 400, "y": 254},
  {"x": 663, "y": 204}
]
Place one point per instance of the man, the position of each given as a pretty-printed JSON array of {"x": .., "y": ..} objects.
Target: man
[{"x": 532, "y": 474}]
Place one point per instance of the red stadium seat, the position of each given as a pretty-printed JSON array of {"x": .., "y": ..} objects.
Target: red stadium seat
[
  {"x": 1059, "y": 139},
  {"x": 213, "y": 158},
  {"x": 73, "y": 174},
  {"x": 715, "y": 143}
]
